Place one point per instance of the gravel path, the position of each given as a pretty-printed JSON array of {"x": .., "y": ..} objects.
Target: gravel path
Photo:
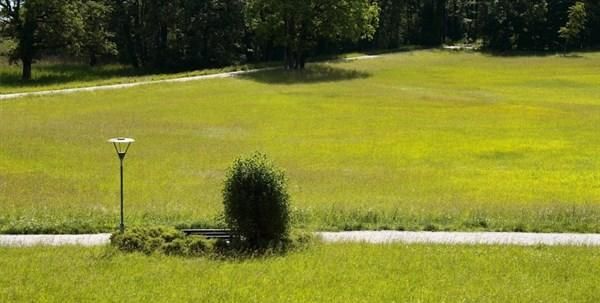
[
  {"x": 374, "y": 237},
  {"x": 54, "y": 240},
  {"x": 128, "y": 85},
  {"x": 134, "y": 84},
  {"x": 457, "y": 238}
]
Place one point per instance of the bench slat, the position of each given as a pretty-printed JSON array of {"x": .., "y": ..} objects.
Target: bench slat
[{"x": 210, "y": 233}]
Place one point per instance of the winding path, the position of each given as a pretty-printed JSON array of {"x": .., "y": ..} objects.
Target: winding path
[
  {"x": 128, "y": 85},
  {"x": 372, "y": 237},
  {"x": 134, "y": 84}
]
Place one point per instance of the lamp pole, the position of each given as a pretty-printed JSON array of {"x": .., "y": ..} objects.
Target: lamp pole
[
  {"x": 121, "y": 224},
  {"x": 121, "y": 146}
]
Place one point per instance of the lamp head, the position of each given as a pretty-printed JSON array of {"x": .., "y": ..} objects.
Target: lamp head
[{"x": 121, "y": 145}]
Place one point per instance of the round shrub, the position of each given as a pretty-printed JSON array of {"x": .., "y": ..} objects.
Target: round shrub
[{"x": 256, "y": 202}]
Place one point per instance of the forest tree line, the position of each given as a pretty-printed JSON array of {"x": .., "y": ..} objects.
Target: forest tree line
[{"x": 189, "y": 34}]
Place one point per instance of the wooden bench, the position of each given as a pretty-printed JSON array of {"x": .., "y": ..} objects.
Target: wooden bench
[{"x": 225, "y": 234}]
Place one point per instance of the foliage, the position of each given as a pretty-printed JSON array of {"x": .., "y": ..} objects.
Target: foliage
[
  {"x": 165, "y": 240},
  {"x": 256, "y": 202},
  {"x": 182, "y": 33},
  {"x": 432, "y": 19},
  {"x": 191, "y": 34},
  {"x": 575, "y": 25},
  {"x": 510, "y": 25},
  {"x": 298, "y": 25},
  {"x": 97, "y": 37},
  {"x": 40, "y": 26}
]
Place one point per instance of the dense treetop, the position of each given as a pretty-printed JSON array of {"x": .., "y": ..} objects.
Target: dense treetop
[{"x": 188, "y": 34}]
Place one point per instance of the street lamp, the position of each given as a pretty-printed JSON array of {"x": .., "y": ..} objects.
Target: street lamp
[{"x": 121, "y": 146}]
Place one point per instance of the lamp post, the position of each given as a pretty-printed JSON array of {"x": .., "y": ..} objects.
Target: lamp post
[{"x": 121, "y": 146}]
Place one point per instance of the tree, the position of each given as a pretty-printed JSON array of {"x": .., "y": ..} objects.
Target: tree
[
  {"x": 297, "y": 25},
  {"x": 433, "y": 22},
  {"x": 212, "y": 32},
  {"x": 575, "y": 25},
  {"x": 180, "y": 33},
  {"x": 514, "y": 24},
  {"x": 390, "y": 29},
  {"x": 97, "y": 37},
  {"x": 38, "y": 25}
]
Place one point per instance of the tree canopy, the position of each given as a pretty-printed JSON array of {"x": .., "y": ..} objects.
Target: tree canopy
[
  {"x": 191, "y": 34},
  {"x": 47, "y": 25},
  {"x": 298, "y": 25},
  {"x": 575, "y": 24}
]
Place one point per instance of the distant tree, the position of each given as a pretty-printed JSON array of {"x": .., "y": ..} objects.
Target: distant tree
[
  {"x": 180, "y": 33},
  {"x": 575, "y": 24},
  {"x": 433, "y": 22},
  {"x": 38, "y": 25},
  {"x": 211, "y": 32},
  {"x": 97, "y": 37},
  {"x": 557, "y": 17},
  {"x": 390, "y": 30},
  {"x": 592, "y": 26},
  {"x": 514, "y": 24},
  {"x": 297, "y": 25}
]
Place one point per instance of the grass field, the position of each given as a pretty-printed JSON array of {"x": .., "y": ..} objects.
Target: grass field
[
  {"x": 417, "y": 140},
  {"x": 332, "y": 273}
]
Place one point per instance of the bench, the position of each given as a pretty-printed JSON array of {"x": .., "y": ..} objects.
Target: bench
[{"x": 225, "y": 234}]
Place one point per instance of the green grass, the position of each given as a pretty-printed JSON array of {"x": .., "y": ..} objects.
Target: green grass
[
  {"x": 324, "y": 273},
  {"x": 53, "y": 74},
  {"x": 419, "y": 140}
]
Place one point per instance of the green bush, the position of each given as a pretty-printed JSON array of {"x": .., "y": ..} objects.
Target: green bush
[
  {"x": 176, "y": 247},
  {"x": 162, "y": 240},
  {"x": 256, "y": 202},
  {"x": 198, "y": 246}
]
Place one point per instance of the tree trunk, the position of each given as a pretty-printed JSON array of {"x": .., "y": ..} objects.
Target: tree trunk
[
  {"x": 289, "y": 58},
  {"x": 26, "y": 47},
  {"x": 129, "y": 45},
  {"x": 26, "y": 62},
  {"x": 138, "y": 31},
  {"x": 93, "y": 59},
  {"x": 302, "y": 61}
]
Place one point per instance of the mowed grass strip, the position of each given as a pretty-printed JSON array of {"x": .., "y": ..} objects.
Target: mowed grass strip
[
  {"x": 418, "y": 140},
  {"x": 324, "y": 273}
]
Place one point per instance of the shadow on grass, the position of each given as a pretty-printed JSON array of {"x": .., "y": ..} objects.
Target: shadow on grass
[
  {"x": 58, "y": 74},
  {"x": 312, "y": 74},
  {"x": 65, "y": 73},
  {"x": 575, "y": 54}
]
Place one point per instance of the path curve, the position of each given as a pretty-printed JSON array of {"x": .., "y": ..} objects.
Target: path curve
[
  {"x": 128, "y": 85},
  {"x": 134, "y": 84},
  {"x": 372, "y": 237}
]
